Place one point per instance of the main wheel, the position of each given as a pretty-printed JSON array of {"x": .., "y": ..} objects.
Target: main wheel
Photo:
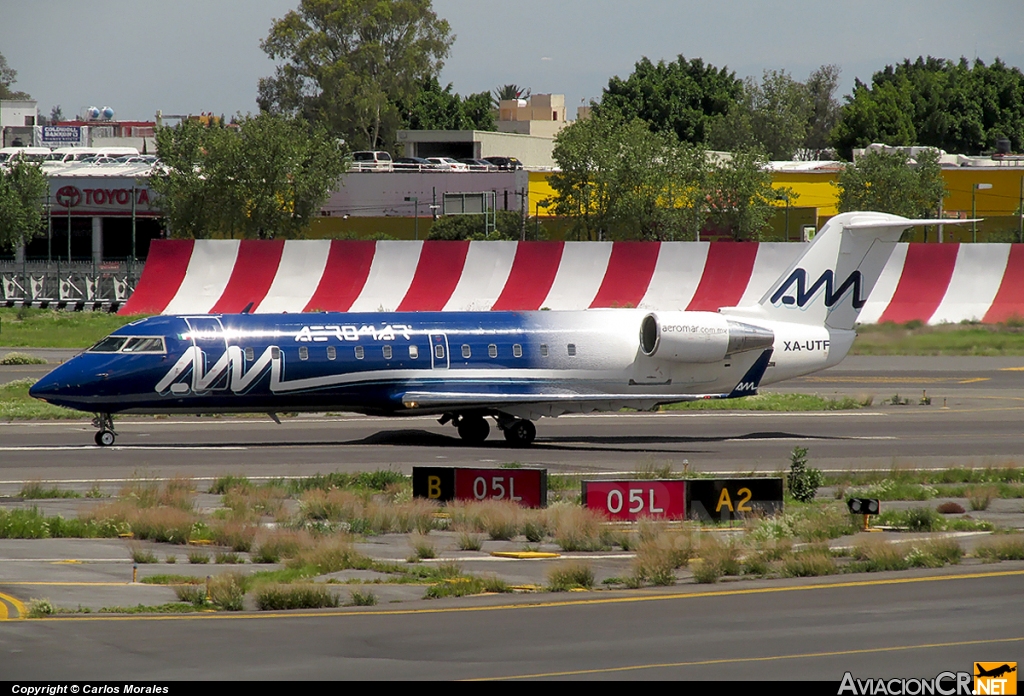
[
  {"x": 105, "y": 438},
  {"x": 474, "y": 429},
  {"x": 521, "y": 433}
]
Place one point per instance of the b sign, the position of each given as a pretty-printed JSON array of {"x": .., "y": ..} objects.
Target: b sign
[{"x": 527, "y": 487}]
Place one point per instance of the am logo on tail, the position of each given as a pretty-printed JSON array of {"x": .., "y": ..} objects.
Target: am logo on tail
[{"x": 469, "y": 368}]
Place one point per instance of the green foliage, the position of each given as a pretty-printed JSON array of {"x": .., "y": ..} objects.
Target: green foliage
[
  {"x": 22, "y": 198},
  {"x": 278, "y": 597},
  {"x": 620, "y": 180},
  {"x": 771, "y": 402},
  {"x": 570, "y": 576},
  {"x": 35, "y": 491},
  {"x": 1007, "y": 548},
  {"x": 509, "y": 225},
  {"x": 32, "y": 524},
  {"x": 803, "y": 481},
  {"x": 889, "y": 183},
  {"x": 377, "y": 480},
  {"x": 507, "y": 93},
  {"x": 772, "y": 115},
  {"x": 21, "y": 359},
  {"x": 8, "y": 76},
  {"x": 682, "y": 97},
  {"x": 434, "y": 108},
  {"x": 47, "y": 328},
  {"x": 958, "y": 107},
  {"x": 347, "y": 64},
  {"x": 265, "y": 180},
  {"x": 361, "y": 599}
]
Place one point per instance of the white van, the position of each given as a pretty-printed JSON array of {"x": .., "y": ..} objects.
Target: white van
[
  {"x": 371, "y": 161},
  {"x": 28, "y": 154},
  {"x": 70, "y": 155}
]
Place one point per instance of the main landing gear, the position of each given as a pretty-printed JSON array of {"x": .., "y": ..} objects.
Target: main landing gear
[
  {"x": 474, "y": 429},
  {"x": 106, "y": 435}
]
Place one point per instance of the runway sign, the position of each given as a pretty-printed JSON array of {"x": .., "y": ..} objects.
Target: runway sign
[
  {"x": 631, "y": 500},
  {"x": 528, "y": 487},
  {"x": 720, "y": 500}
]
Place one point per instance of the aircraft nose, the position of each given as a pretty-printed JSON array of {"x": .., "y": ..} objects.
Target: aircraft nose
[{"x": 45, "y": 387}]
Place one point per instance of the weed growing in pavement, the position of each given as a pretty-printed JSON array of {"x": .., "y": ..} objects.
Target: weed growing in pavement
[
  {"x": 282, "y": 597},
  {"x": 361, "y": 599},
  {"x": 570, "y": 576},
  {"x": 1001, "y": 548}
]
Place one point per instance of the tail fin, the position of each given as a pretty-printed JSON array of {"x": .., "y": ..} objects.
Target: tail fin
[{"x": 829, "y": 284}]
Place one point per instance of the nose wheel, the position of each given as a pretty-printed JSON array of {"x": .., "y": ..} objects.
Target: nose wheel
[{"x": 106, "y": 435}]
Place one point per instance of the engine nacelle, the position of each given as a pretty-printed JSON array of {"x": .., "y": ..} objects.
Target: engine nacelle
[{"x": 699, "y": 337}]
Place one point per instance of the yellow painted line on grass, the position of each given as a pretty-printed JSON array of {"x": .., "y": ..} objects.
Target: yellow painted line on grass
[
  {"x": 769, "y": 658},
  {"x": 545, "y": 605},
  {"x": 1011, "y": 369},
  {"x": 14, "y": 602}
]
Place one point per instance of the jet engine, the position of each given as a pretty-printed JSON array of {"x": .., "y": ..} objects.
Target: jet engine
[{"x": 699, "y": 337}]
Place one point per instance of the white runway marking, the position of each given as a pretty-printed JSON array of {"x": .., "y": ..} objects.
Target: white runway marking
[{"x": 118, "y": 448}]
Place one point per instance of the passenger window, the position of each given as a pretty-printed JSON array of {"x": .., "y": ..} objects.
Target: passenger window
[
  {"x": 303, "y": 353},
  {"x": 414, "y": 352},
  {"x": 250, "y": 354},
  {"x": 275, "y": 353},
  {"x": 359, "y": 352},
  {"x": 387, "y": 352},
  {"x": 543, "y": 350},
  {"x": 439, "y": 351},
  {"x": 466, "y": 351},
  {"x": 572, "y": 349},
  {"x": 492, "y": 351},
  {"x": 332, "y": 352},
  {"x": 517, "y": 350}
]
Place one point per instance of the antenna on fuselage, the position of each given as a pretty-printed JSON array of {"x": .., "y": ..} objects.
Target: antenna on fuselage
[{"x": 248, "y": 308}]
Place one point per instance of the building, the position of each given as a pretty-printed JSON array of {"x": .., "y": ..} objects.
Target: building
[{"x": 17, "y": 122}]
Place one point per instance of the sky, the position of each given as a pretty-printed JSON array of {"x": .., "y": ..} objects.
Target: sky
[{"x": 189, "y": 56}]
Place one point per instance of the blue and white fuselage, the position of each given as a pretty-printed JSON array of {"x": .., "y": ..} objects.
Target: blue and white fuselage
[{"x": 514, "y": 367}]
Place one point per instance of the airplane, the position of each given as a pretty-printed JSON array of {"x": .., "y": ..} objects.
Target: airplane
[{"x": 466, "y": 367}]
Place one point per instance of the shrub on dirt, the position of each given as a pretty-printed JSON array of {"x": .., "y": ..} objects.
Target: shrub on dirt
[
  {"x": 570, "y": 576},
  {"x": 282, "y": 597},
  {"x": 950, "y": 508}
]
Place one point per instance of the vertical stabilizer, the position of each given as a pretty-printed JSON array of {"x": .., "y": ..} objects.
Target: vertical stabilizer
[{"x": 830, "y": 283}]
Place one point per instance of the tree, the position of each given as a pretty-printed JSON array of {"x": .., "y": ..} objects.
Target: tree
[
  {"x": 265, "y": 179},
  {"x": 509, "y": 92},
  {"x": 434, "y": 108},
  {"x": 618, "y": 180},
  {"x": 771, "y": 115},
  {"x": 958, "y": 107},
  {"x": 683, "y": 97},
  {"x": 821, "y": 89},
  {"x": 508, "y": 226},
  {"x": 348, "y": 63},
  {"x": 8, "y": 76},
  {"x": 22, "y": 196},
  {"x": 56, "y": 114},
  {"x": 890, "y": 183}
]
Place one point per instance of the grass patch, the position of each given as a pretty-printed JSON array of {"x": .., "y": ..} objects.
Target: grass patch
[
  {"x": 35, "y": 491},
  {"x": 141, "y": 555},
  {"x": 198, "y": 557},
  {"x": 379, "y": 480},
  {"x": 16, "y": 404},
  {"x": 172, "y": 579},
  {"x": 1002, "y": 548},
  {"x": 169, "y": 608},
  {"x": 361, "y": 599},
  {"x": 281, "y": 597},
  {"x": 32, "y": 524},
  {"x": 21, "y": 359},
  {"x": 771, "y": 402},
  {"x": 943, "y": 339},
  {"x": 47, "y": 328},
  {"x": 570, "y": 576},
  {"x": 810, "y": 563},
  {"x": 981, "y": 498},
  {"x": 422, "y": 547}
]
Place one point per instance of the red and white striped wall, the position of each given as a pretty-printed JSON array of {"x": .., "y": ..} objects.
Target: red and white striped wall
[{"x": 933, "y": 283}]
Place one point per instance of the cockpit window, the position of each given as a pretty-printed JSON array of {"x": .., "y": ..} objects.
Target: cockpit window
[
  {"x": 130, "y": 344},
  {"x": 110, "y": 344},
  {"x": 144, "y": 344}
]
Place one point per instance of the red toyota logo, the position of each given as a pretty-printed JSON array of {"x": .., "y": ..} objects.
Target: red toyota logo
[{"x": 69, "y": 196}]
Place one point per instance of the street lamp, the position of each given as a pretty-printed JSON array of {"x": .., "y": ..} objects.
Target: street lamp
[
  {"x": 416, "y": 203},
  {"x": 536, "y": 217},
  {"x": 974, "y": 214}
]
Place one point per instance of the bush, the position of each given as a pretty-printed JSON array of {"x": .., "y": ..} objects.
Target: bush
[
  {"x": 810, "y": 563},
  {"x": 38, "y": 608},
  {"x": 16, "y": 358},
  {"x": 803, "y": 481},
  {"x": 467, "y": 541},
  {"x": 576, "y": 528},
  {"x": 361, "y": 599},
  {"x": 981, "y": 498},
  {"x": 950, "y": 508},
  {"x": 193, "y": 594},
  {"x": 278, "y": 597},
  {"x": 1007, "y": 548},
  {"x": 570, "y": 576},
  {"x": 281, "y": 544},
  {"x": 141, "y": 555},
  {"x": 706, "y": 573},
  {"x": 198, "y": 557},
  {"x": 227, "y": 592}
]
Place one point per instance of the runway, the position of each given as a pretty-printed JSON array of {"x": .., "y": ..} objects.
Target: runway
[
  {"x": 914, "y": 624},
  {"x": 975, "y": 419}
]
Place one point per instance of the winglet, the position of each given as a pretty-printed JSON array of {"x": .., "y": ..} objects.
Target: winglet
[{"x": 752, "y": 379}]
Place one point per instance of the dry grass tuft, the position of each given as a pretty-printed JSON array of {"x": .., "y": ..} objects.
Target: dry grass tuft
[
  {"x": 1001, "y": 548},
  {"x": 576, "y": 528},
  {"x": 238, "y": 536},
  {"x": 570, "y": 576},
  {"x": 330, "y": 554},
  {"x": 272, "y": 546}
]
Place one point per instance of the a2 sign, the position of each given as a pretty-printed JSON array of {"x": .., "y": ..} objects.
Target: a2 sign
[{"x": 705, "y": 499}]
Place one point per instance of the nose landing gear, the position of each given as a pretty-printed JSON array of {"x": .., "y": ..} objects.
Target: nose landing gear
[{"x": 106, "y": 435}]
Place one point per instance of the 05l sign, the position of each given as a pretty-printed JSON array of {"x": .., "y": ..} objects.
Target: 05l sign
[
  {"x": 632, "y": 500},
  {"x": 527, "y": 487}
]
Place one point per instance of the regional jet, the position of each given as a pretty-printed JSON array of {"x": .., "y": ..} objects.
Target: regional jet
[{"x": 468, "y": 367}]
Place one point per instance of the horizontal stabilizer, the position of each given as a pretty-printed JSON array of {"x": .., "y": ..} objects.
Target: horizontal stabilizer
[{"x": 905, "y": 223}]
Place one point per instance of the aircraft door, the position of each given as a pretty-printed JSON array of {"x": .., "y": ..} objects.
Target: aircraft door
[
  {"x": 213, "y": 371},
  {"x": 439, "y": 351}
]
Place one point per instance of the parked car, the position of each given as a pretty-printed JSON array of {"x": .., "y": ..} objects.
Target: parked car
[
  {"x": 505, "y": 164},
  {"x": 479, "y": 165},
  {"x": 448, "y": 164},
  {"x": 413, "y": 164},
  {"x": 371, "y": 161}
]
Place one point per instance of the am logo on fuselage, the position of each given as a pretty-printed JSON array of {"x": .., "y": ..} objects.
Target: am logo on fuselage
[{"x": 805, "y": 294}]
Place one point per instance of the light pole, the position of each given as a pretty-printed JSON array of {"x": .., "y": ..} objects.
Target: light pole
[
  {"x": 974, "y": 214},
  {"x": 416, "y": 202}
]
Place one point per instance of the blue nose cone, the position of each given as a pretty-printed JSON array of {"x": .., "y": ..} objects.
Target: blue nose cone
[{"x": 46, "y": 387}]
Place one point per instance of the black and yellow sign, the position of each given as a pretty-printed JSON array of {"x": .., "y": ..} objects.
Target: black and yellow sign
[
  {"x": 995, "y": 678},
  {"x": 433, "y": 482},
  {"x": 719, "y": 500}
]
